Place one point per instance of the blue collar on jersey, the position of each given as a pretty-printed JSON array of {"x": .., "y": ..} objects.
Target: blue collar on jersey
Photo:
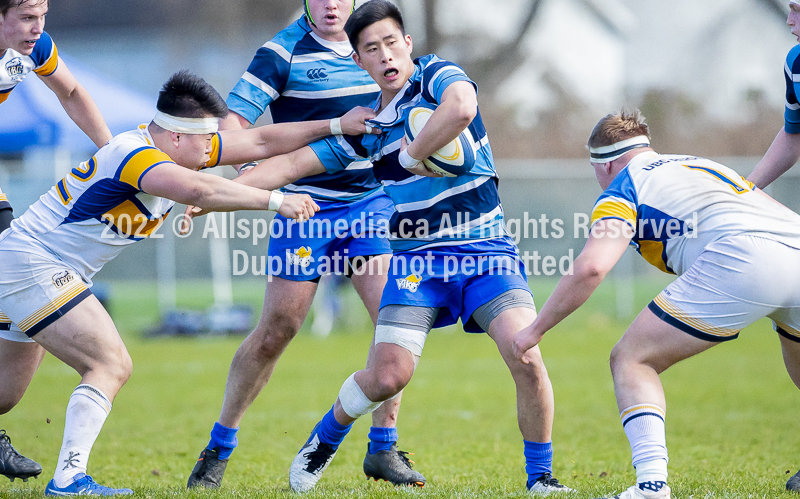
[{"x": 311, "y": 19}]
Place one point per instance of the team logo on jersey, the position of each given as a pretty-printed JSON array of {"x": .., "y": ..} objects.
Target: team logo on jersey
[
  {"x": 62, "y": 279},
  {"x": 15, "y": 69},
  {"x": 301, "y": 257},
  {"x": 316, "y": 74},
  {"x": 410, "y": 283}
]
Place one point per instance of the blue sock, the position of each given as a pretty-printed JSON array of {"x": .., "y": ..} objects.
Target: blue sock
[
  {"x": 381, "y": 438},
  {"x": 538, "y": 460},
  {"x": 224, "y": 440},
  {"x": 330, "y": 431}
]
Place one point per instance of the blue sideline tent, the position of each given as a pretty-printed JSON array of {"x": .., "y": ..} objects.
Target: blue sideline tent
[{"x": 33, "y": 117}]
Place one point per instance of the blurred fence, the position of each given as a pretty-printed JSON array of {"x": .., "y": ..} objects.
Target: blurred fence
[{"x": 546, "y": 203}]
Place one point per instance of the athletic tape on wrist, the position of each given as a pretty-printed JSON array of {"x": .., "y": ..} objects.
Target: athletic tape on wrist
[
  {"x": 353, "y": 400},
  {"x": 336, "y": 126},
  {"x": 275, "y": 201},
  {"x": 406, "y": 160}
]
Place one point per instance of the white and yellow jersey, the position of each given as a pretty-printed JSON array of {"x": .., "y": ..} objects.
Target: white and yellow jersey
[
  {"x": 15, "y": 66},
  {"x": 677, "y": 205},
  {"x": 90, "y": 215}
]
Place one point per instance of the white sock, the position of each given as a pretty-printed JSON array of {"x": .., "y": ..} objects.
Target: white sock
[
  {"x": 87, "y": 410},
  {"x": 644, "y": 426}
]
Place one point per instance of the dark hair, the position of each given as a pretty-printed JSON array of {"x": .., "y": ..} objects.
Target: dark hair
[
  {"x": 186, "y": 95},
  {"x": 368, "y": 14},
  {"x": 6, "y": 5}
]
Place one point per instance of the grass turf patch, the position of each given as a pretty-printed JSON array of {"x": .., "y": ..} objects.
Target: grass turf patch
[{"x": 730, "y": 419}]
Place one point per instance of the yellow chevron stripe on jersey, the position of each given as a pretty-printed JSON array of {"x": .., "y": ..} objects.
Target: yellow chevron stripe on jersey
[
  {"x": 612, "y": 207},
  {"x": 134, "y": 166},
  {"x": 3, "y": 197},
  {"x": 653, "y": 252},
  {"x": 4, "y": 318},
  {"x": 129, "y": 221},
  {"x": 69, "y": 293},
  {"x": 50, "y": 66},
  {"x": 699, "y": 324},
  {"x": 4, "y": 96}
]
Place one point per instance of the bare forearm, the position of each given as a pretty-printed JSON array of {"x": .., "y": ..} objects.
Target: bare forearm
[
  {"x": 571, "y": 292},
  {"x": 282, "y": 138},
  {"x": 218, "y": 194},
  {"x": 779, "y": 158},
  {"x": 282, "y": 170},
  {"x": 84, "y": 112}
]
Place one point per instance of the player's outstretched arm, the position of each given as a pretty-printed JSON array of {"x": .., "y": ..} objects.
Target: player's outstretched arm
[
  {"x": 282, "y": 170},
  {"x": 781, "y": 155},
  {"x": 78, "y": 104},
  {"x": 241, "y": 146},
  {"x": 606, "y": 244},
  {"x": 212, "y": 193}
]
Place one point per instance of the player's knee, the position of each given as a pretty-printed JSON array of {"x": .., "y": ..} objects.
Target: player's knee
[
  {"x": 620, "y": 359},
  {"x": 276, "y": 332},
  {"x": 390, "y": 382}
]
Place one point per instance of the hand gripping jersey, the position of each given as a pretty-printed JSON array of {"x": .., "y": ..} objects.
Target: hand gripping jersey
[
  {"x": 15, "y": 66},
  {"x": 678, "y": 205},
  {"x": 428, "y": 211},
  {"x": 302, "y": 77},
  {"x": 90, "y": 215}
]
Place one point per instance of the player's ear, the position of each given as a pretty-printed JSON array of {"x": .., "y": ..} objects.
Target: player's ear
[
  {"x": 176, "y": 138},
  {"x": 409, "y": 43},
  {"x": 357, "y": 60}
]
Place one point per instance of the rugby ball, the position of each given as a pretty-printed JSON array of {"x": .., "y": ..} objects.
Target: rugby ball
[{"x": 456, "y": 158}]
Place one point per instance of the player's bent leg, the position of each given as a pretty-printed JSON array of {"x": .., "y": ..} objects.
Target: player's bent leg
[
  {"x": 396, "y": 353},
  {"x": 383, "y": 460},
  {"x": 286, "y": 304},
  {"x": 649, "y": 347},
  {"x": 791, "y": 358},
  {"x": 535, "y": 405},
  {"x": 86, "y": 339},
  {"x": 19, "y": 360}
]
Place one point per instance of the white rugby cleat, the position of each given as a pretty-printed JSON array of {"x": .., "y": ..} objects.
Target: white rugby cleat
[
  {"x": 309, "y": 464},
  {"x": 646, "y": 490}
]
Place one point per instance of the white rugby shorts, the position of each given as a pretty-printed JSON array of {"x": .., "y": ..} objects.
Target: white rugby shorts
[
  {"x": 733, "y": 283},
  {"x": 35, "y": 291}
]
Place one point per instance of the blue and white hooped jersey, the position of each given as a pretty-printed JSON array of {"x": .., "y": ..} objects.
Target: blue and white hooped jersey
[
  {"x": 90, "y": 215},
  {"x": 15, "y": 66},
  {"x": 428, "y": 211},
  {"x": 302, "y": 77},
  {"x": 791, "y": 71},
  {"x": 677, "y": 205}
]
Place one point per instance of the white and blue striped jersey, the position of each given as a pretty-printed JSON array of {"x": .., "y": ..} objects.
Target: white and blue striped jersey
[
  {"x": 91, "y": 214},
  {"x": 302, "y": 77},
  {"x": 791, "y": 70},
  {"x": 428, "y": 211},
  {"x": 677, "y": 205},
  {"x": 42, "y": 61}
]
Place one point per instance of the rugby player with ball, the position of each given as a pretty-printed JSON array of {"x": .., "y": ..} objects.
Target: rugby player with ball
[{"x": 442, "y": 220}]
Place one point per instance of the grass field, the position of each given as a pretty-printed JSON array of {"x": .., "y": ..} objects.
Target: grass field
[{"x": 731, "y": 425}]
